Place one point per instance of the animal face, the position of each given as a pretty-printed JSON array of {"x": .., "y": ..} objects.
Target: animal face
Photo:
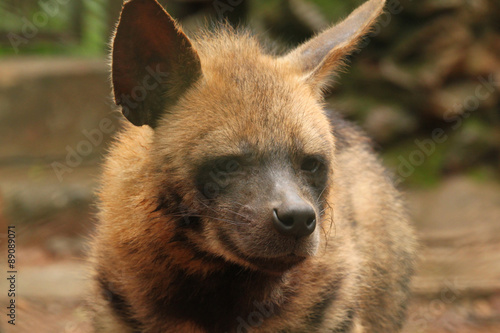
[
  {"x": 242, "y": 147},
  {"x": 254, "y": 151}
]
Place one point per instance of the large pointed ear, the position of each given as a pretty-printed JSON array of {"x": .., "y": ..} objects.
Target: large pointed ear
[
  {"x": 153, "y": 62},
  {"x": 317, "y": 58}
]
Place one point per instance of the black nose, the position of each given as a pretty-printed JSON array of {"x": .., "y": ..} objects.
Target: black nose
[{"x": 296, "y": 219}]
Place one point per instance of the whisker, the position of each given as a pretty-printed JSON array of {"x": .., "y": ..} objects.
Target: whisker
[
  {"x": 233, "y": 212},
  {"x": 219, "y": 213},
  {"x": 209, "y": 217},
  {"x": 226, "y": 209},
  {"x": 321, "y": 193}
]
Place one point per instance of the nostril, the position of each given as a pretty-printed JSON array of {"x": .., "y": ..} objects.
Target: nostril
[
  {"x": 311, "y": 222},
  {"x": 284, "y": 226},
  {"x": 285, "y": 219},
  {"x": 297, "y": 221}
]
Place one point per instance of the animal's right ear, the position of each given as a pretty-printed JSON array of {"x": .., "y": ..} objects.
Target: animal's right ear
[{"x": 153, "y": 62}]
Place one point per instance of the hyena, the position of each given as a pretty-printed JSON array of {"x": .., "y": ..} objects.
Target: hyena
[{"x": 232, "y": 200}]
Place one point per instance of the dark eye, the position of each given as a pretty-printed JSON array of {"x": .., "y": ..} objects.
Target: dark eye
[
  {"x": 311, "y": 164},
  {"x": 216, "y": 175}
]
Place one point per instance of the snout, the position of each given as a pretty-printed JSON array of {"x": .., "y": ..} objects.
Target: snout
[
  {"x": 278, "y": 232},
  {"x": 294, "y": 217}
]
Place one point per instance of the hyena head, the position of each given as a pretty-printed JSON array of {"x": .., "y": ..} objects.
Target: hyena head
[{"x": 243, "y": 152}]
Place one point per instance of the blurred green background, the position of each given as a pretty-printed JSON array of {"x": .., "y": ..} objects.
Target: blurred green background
[{"x": 425, "y": 86}]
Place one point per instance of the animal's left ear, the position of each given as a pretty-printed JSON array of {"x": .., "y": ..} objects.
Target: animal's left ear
[{"x": 317, "y": 58}]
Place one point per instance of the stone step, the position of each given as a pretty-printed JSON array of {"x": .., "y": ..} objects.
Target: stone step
[
  {"x": 51, "y": 107},
  {"x": 45, "y": 210}
]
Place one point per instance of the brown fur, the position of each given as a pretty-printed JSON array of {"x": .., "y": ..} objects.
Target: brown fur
[{"x": 166, "y": 259}]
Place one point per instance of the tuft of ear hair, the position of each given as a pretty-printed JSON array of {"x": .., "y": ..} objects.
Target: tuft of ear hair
[
  {"x": 153, "y": 62},
  {"x": 319, "y": 57}
]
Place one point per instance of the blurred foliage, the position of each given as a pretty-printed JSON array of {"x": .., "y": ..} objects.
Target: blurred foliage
[
  {"x": 426, "y": 66},
  {"x": 48, "y": 27}
]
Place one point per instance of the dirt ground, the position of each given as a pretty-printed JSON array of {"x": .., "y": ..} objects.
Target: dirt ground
[{"x": 457, "y": 288}]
